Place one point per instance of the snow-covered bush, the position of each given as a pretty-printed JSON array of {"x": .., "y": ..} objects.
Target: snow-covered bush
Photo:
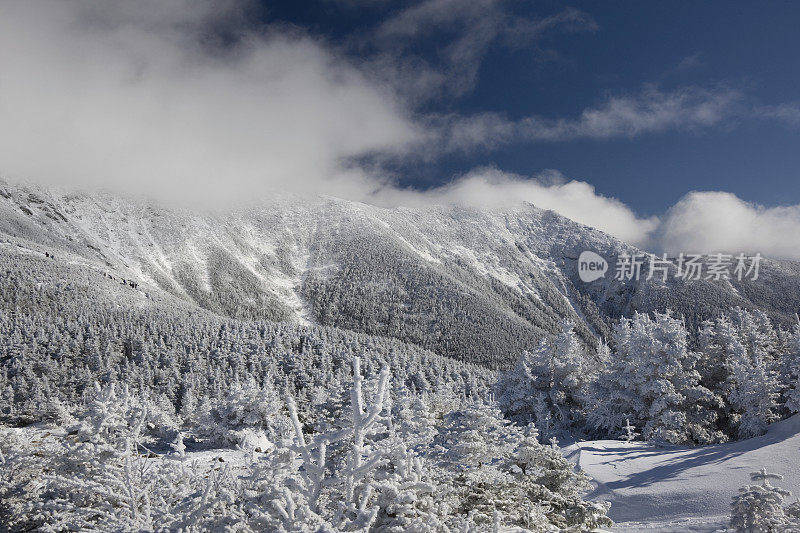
[
  {"x": 503, "y": 468},
  {"x": 408, "y": 496},
  {"x": 477, "y": 435},
  {"x": 414, "y": 423},
  {"x": 98, "y": 478},
  {"x": 103, "y": 477},
  {"x": 759, "y": 508},
  {"x": 248, "y": 415},
  {"x": 277, "y": 496},
  {"x": 21, "y": 468}
]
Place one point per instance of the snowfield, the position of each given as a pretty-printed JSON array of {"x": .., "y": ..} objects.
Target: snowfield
[{"x": 684, "y": 489}]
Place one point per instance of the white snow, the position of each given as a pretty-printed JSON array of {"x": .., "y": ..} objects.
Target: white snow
[{"x": 681, "y": 488}]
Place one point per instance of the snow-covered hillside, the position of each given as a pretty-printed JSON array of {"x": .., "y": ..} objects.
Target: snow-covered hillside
[
  {"x": 476, "y": 285},
  {"x": 684, "y": 489}
]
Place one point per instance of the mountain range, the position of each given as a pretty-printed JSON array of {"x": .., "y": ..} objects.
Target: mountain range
[{"x": 478, "y": 285}]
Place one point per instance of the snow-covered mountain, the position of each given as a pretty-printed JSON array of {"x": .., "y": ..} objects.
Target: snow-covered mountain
[
  {"x": 478, "y": 285},
  {"x": 139, "y": 339}
]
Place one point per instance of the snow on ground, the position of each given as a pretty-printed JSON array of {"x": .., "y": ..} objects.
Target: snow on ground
[{"x": 684, "y": 489}]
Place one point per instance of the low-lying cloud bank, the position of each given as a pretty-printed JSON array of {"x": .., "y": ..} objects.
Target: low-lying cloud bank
[
  {"x": 183, "y": 99},
  {"x": 492, "y": 188},
  {"x": 720, "y": 221},
  {"x": 701, "y": 222}
]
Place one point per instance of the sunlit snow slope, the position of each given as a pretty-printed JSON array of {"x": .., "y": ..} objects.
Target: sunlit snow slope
[{"x": 685, "y": 489}]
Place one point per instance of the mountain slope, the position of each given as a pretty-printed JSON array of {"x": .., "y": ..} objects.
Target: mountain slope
[{"x": 478, "y": 285}]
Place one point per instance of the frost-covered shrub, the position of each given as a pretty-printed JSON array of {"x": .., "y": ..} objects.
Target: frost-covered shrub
[
  {"x": 407, "y": 497},
  {"x": 249, "y": 415},
  {"x": 414, "y": 423},
  {"x": 97, "y": 478},
  {"x": 160, "y": 420},
  {"x": 759, "y": 508},
  {"x": 477, "y": 435},
  {"x": 273, "y": 496},
  {"x": 503, "y": 469},
  {"x": 21, "y": 468},
  {"x": 102, "y": 476},
  {"x": 56, "y": 412}
]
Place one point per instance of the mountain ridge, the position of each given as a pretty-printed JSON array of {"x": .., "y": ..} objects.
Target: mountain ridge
[{"x": 474, "y": 284}]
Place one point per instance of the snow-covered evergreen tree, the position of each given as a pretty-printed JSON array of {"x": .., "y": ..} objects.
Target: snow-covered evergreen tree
[
  {"x": 793, "y": 371},
  {"x": 250, "y": 414},
  {"x": 753, "y": 393},
  {"x": 407, "y": 496},
  {"x": 739, "y": 366},
  {"x": 415, "y": 423},
  {"x": 629, "y": 431},
  {"x": 759, "y": 508},
  {"x": 652, "y": 382},
  {"x": 548, "y": 385},
  {"x": 477, "y": 435}
]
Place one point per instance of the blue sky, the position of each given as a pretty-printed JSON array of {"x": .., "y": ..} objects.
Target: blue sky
[
  {"x": 671, "y": 125},
  {"x": 619, "y": 49}
]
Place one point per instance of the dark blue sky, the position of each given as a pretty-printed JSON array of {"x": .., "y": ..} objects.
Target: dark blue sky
[{"x": 749, "y": 49}]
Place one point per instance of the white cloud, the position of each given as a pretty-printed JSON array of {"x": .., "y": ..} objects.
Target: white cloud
[
  {"x": 789, "y": 113},
  {"x": 708, "y": 222},
  {"x": 576, "y": 200},
  {"x": 690, "y": 62},
  {"x": 464, "y": 31},
  {"x": 651, "y": 111},
  {"x": 134, "y": 95}
]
